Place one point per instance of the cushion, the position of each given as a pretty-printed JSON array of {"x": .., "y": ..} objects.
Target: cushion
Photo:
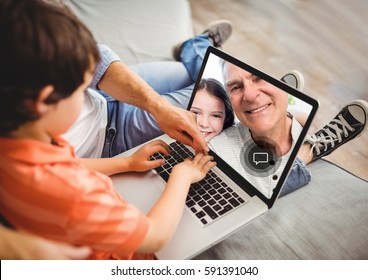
[
  {"x": 327, "y": 219},
  {"x": 137, "y": 30}
]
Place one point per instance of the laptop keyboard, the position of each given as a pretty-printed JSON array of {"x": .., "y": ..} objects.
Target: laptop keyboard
[{"x": 209, "y": 198}]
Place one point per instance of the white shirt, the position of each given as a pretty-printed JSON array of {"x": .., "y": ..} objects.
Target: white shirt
[{"x": 87, "y": 135}]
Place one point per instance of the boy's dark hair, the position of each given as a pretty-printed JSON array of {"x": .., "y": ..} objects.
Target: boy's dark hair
[
  {"x": 215, "y": 88},
  {"x": 41, "y": 44}
]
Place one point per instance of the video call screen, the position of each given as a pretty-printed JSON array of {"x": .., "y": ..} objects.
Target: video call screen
[{"x": 249, "y": 121}]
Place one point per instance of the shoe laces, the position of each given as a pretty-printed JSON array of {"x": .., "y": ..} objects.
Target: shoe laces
[
  {"x": 216, "y": 38},
  {"x": 326, "y": 136}
]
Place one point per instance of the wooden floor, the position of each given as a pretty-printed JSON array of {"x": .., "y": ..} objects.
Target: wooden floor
[{"x": 326, "y": 40}]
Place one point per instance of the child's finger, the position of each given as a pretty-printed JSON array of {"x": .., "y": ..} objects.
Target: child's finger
[
  {"x": 207, "y": 167},
  {"x": 159, "y": 146},
  {"x": 198, "y": 157},
  {"x": 205, "y": 159},
  {"x": 165, "y": 145},
  {"x": 154, "y": 163}
]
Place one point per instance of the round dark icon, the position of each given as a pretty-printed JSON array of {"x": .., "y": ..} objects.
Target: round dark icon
[{"x": 260, "y": 158}]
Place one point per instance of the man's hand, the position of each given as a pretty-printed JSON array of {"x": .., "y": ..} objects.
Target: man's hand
[{"x": 181, "y": 125}]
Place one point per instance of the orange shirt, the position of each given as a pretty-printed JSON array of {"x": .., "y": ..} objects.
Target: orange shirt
[{"x": 46, "y": 190}]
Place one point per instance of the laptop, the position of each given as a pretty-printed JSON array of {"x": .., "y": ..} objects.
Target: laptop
[{"x": 233, "y": 192}]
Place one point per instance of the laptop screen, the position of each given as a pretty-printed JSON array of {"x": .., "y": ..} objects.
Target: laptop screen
[{"x": 254, "y": 124}]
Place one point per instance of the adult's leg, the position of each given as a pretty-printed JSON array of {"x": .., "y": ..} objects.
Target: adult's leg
[
  {"x": 192, "y": 51},
  {"x": 164, "y": 76},
  {"x": 192, "y": 54},
  {"x": 171, "y": 76},
  {"x": 349, "y": 123},
  {"x": 298, "y": 177}
]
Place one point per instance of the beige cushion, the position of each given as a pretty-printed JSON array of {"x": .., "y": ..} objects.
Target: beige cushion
[
  {"x": 137, "y": 30},
  {"x": 326, "y": 219}
]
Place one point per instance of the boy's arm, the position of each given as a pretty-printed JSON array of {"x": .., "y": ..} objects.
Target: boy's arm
[{"x": 107, "y": 166}]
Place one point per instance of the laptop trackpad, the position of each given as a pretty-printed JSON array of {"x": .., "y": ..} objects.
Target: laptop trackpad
[{"x": 139, "y": 189}]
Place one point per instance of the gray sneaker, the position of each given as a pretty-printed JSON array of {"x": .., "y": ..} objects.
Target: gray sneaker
[
  {"x": 294, "y": 79},
  {"x": 218, "y": 32},
  {"x": 349, "y": 123}
]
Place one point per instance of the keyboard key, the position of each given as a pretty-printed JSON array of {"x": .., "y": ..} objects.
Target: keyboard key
[
  {"x": 196, "y": 187},
  {"x": 210, "y": 212},
  {"x": 166, "y": 166},
  {"x": 200, "y": 214},
  {"x": 211, "y": 202},
  {"x": 165, "y": 176},
  {"x": 202, "y": 203},
  {"x": 226, "y": 195},
  {"x": 222, "y": 202},
  {"x": 206, "y": 197},
  {"x": 221, "y": 190},
  {"x": 201, "y": 191},
  {"x": 216, "y": 207},
  {"x": 234, "y": 202},
  {"x": 190, "y": 203},
  {"x": 192, "y": 193},
  {"x": 226, "y": 209},
  {"x": 159, "y": 169},
  {"x": 211, "y": 181},
  {"x": 212, "y": 192}
]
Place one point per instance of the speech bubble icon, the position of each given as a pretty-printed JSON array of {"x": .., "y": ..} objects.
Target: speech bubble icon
[{"x": 260, "y": 157}]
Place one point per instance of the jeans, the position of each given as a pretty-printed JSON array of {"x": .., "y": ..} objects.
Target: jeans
[
  {"x": 193, "y": 53},
  {"x": 298, "y": 177},
  {"x": 129, "y": 126}
]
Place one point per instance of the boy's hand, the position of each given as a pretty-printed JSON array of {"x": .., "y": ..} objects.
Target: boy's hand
[
  {"x": 139, "y": 161},
  {"x": 196, "y": 168}
]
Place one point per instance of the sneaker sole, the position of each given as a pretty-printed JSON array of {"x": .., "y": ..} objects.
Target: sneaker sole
[
  {"x": 298, "y": 77},
  {"x": 219, "y": 21},
  {"x": 364, "y": 105}
]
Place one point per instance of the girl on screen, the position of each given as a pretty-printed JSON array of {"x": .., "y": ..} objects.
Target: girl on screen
[{"x": 212, "y": 107}]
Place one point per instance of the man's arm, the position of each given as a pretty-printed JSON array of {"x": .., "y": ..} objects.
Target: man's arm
[
  {"x": 123, "y": 84},
  {"x": 16, "y": 245}
]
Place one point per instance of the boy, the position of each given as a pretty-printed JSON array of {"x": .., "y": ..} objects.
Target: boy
[{"x": 49, "y": 56}]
